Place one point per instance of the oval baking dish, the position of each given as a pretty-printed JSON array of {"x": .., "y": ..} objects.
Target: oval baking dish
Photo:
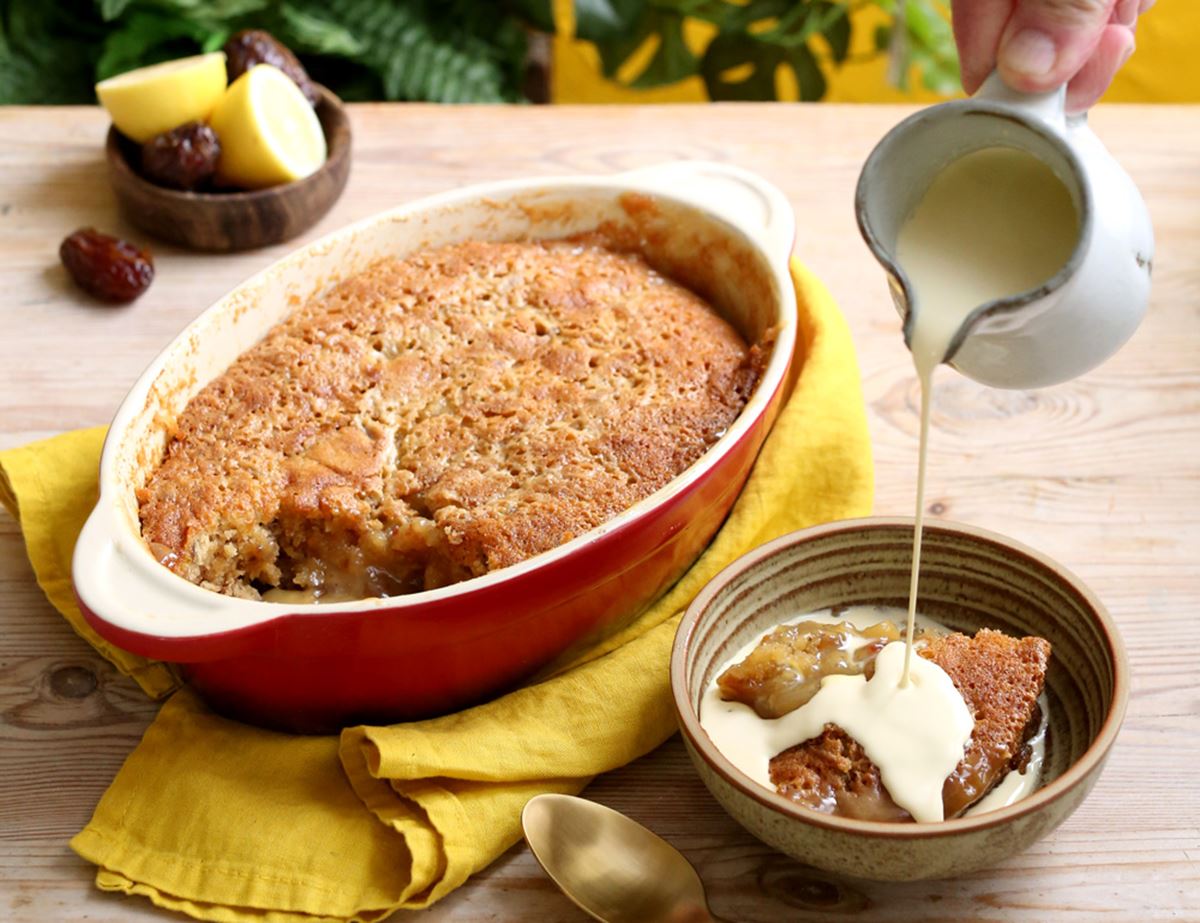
[{"x": 721, "y": 231}]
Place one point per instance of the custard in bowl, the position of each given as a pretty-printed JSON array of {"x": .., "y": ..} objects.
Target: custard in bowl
[{"x": 457, "y": 626}]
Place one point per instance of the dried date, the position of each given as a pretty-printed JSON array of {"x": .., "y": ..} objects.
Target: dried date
[
  {"x": 107, "y": 267},
  {"x": 254, "y": 46},
  {"x": 182, "y": 158}
]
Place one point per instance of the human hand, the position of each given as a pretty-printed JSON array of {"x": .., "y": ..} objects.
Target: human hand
[{"x": 1039, "y": 44}]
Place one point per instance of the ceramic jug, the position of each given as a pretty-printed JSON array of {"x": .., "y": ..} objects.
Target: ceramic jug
[{"x": 1091, "y": 306}]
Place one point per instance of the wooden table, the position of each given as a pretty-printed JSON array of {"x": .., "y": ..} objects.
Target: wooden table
[{"x": 1102, "y": 473}]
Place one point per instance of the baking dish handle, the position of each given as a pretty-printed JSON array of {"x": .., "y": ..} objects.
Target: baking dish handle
[
  {"x": 146, "y": 609},
  {"x": 747, "y": 201}
]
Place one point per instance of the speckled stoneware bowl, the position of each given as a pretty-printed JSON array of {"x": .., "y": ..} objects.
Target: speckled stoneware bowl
[{"x": 970, "y": 579}]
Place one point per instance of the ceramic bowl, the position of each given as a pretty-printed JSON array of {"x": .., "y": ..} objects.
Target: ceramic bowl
[
  {"x": 724, "y": 232},
  {"x": 970, "y": 579},
  {"x": 234, "y": 220}
]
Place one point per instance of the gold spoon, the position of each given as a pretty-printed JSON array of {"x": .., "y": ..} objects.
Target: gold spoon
[{"x": 610, "y": 866}]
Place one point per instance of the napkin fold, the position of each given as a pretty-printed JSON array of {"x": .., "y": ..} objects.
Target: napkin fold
[{"x": 232, "y": 823}]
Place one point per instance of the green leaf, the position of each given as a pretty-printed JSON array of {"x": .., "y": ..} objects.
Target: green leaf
[
  {"x": 313, "y": 32},
  {"x": 146, "y": 37},
  {"x": 599, "y": 20},
  {"x": 740, "y": 51},
  {"x": 931, "y": 46},
  {"x": 203, "y": 11},
  {"x": 455, "y": 51},
  {"x": 837, "y": 31},
  {"x": 538, "y": 13},
  {"x": 742, "y": 16},
  {"x": 920, "y": 21},
  {"x": 215, "y": 40},
  {"x": 717, "y": 12},
  {"x": 761, "y": 57},
  {"x": 808, "y": 73},
  {"x": 47, "y": 51},
  {"x": 224, "y": 10},
  {"x": 616, "y": 51},
  {"x": 672, "y": 60},
  {"x": 111, "y": 9}
]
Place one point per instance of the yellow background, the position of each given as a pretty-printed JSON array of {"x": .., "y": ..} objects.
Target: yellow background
[{"x": 1165, "y": 67}]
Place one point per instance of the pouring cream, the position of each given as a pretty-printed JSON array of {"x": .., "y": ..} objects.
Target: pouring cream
[{"x": 994, "y": 223}]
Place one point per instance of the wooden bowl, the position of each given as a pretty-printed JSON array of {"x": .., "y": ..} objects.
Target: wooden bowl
[
  {"x": 224, "y": 221},
  {"x": 970, "y": 579}
]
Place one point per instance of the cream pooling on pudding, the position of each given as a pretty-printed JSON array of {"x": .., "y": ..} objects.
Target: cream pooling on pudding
[
  {"x": 913, "y": 772},
  {"x": 914, "y": 733}
]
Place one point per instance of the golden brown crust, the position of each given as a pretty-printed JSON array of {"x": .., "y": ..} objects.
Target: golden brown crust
[
  {"x": 1000, "y": 679},
  {"x": 441, "y": 416}
]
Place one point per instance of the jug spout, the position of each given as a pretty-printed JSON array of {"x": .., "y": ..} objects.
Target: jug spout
[{"x": 995, "y": 233}]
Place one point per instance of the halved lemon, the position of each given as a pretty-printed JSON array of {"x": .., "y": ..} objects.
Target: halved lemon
[
  {"x": 150, "y": 100},
  {"x": 268, "y": 131}
]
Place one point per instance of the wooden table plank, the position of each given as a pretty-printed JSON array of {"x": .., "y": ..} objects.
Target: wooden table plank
[{"x": 1102, "y": 473}]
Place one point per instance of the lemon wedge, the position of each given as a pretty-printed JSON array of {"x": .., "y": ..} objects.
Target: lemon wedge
[
  {"x": 150, "y": 100},
  {"x": 268, "y": 131}
]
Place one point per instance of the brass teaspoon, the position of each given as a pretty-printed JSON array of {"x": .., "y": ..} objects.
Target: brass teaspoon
[{"x": 610, "y": 866}]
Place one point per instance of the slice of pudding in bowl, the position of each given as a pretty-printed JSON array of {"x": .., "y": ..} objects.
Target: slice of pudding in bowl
[{"x": 1000, "y": 679}]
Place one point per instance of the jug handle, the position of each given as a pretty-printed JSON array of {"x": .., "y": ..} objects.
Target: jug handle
[{"x": 1049, "y": 106}]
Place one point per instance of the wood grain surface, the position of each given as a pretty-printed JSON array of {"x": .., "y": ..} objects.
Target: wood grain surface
[{"x": 1102, "y": 473}]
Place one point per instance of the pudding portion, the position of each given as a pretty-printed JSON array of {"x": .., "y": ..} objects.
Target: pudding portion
[
  {"x": 998, "y": 677},
  {"x": 786, "y": 668},
  {"x": 441, "y": 416}
]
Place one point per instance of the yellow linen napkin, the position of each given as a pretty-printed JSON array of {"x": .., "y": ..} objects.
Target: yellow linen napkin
[
  {"x": 231, "y": 823},
  {"x": 50, "y": 488}
]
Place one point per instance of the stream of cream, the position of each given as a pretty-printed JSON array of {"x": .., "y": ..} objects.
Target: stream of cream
[{"x": 994, "y": 223}]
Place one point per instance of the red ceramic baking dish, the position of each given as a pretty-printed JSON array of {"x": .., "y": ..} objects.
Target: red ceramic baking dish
[{"x": 724, "y": 232}]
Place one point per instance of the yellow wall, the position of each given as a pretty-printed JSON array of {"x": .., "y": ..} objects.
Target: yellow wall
[{"x": 1165, "y": 67}]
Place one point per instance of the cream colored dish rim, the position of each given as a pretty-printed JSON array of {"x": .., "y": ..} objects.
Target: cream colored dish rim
[{"x": 116, "y": 575}]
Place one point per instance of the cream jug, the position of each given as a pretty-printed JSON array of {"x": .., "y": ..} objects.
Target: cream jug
[{"x": 1090, "y": 306}]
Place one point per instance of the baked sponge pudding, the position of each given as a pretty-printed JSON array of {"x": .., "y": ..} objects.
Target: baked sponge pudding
[
  {"x": 440, "y": 416},
  {"x": 999, "y": 678}
]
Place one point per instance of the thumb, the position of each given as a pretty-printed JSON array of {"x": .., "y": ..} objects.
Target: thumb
[{"x": 1047, "y": 42}]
